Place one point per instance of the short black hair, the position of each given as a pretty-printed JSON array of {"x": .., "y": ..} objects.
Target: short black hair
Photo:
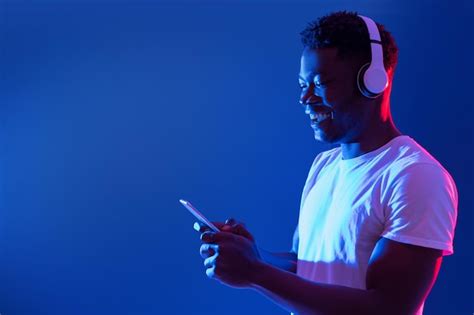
[{"x": 347, "y": 32}]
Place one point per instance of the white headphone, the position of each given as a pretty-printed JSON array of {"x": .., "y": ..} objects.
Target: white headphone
[{"x": 372, "y": 78}]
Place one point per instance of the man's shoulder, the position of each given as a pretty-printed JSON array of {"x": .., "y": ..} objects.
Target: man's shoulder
[
  {"x": 409, "y": 154},
  {"x": 412, "y": 159}
]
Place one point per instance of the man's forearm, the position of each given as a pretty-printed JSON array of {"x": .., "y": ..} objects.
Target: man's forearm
[
  {"x": 285, "y": 260},
  {"x": 302, "y": 296}
]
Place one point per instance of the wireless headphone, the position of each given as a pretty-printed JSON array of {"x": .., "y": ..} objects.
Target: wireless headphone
[{"x": 372, "y": 78}]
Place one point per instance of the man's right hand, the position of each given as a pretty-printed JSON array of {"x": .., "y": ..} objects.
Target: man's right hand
[
  {"x": 286, "y": 260},
  {"x": 230, "y": 226}
]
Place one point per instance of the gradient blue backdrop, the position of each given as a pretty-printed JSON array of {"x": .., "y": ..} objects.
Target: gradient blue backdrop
[{"x": 111, "y": 111}]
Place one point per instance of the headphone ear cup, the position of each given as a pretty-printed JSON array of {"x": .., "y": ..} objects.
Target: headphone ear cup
[
  {"x": 371, "y": 81},
  {"x": 360, "y": 81}
]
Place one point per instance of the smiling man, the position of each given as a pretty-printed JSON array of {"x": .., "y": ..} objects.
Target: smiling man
[{"x": 377, "y": 213}]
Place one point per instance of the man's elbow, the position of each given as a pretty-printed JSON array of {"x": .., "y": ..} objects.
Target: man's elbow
[{"x": 390, "y": 303}]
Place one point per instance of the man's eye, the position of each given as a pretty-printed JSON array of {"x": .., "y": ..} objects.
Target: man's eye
[{"x": 319, "y": 83}]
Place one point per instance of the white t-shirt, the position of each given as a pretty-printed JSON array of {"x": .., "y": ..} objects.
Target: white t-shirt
[{"x": 398, "y": 191}]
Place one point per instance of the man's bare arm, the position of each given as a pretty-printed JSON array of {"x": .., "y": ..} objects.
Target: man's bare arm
[
  {"x": 399, "y": 278},
  {"x": 283, "y": 260}
]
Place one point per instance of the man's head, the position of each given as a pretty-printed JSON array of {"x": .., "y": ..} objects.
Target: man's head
[{"x": 336, "y": 46}]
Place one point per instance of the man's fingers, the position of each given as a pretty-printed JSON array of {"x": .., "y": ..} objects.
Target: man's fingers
[
  {"x": 214, "y": 238},
  {"x": 208, "y": 250},
  {"x": 236, "y": 227},
  {"x": 197, "y": 227},
  {"x": 210, "y": 262},
  {"x": 219, "y": 225},
  {"x": 201, "y": 227},
  {"x": 240, "y": 229},
  {"x": 227, "y": 228},
  {"x": 211, "y": 272},
  {"x": 230, "y": 226},
  {"x": 230, "y": 221},
  {"x": 207, "y": 237}
]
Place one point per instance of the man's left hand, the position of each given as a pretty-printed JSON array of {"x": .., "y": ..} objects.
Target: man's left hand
[{"x": 234, "y": 260}]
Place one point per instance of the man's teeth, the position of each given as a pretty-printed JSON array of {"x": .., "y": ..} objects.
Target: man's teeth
[{"x": 320, "y": 116}]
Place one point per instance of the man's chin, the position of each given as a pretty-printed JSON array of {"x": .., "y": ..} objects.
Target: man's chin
[{"x": 324, "y": 137}]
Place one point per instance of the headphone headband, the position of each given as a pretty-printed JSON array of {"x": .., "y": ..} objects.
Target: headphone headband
[{"x": 373, "y": 79}]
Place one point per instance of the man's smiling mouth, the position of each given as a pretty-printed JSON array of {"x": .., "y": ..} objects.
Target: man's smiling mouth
[{"x": 319, "y": 117}]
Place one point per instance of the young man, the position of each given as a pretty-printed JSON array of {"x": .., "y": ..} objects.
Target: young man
[{"x": 377, "y": 213}]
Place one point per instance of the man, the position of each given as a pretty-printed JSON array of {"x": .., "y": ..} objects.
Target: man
[{"x": 377, "y": 213}]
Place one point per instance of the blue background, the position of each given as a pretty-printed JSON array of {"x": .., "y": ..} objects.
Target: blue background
[{"x": 112, "y": 111}]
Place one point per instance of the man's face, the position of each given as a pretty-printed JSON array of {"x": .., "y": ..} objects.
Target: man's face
[{"x": 329, "y": 93}]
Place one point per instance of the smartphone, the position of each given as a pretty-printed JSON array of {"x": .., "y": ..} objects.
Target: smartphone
[{"x": 198, "y": 215}]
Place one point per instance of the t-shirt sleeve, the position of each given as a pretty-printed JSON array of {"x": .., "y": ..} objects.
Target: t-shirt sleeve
[{"x": 422, "y": 207}]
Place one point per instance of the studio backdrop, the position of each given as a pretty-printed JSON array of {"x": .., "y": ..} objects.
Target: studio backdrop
[{"x": 111, "y": 111}]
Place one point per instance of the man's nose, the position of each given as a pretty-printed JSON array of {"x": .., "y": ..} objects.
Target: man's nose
[
  {"x": 308, "y": 101},
  {"x": 310, "y": 98}
]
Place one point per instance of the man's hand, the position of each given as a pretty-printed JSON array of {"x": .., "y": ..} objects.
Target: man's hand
[
  {"x": 231, "y": 256},
  {"x": 230, "y": 225}
]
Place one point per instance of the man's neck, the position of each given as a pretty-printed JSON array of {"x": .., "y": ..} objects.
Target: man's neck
[{"x": 374, "y": 137}]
